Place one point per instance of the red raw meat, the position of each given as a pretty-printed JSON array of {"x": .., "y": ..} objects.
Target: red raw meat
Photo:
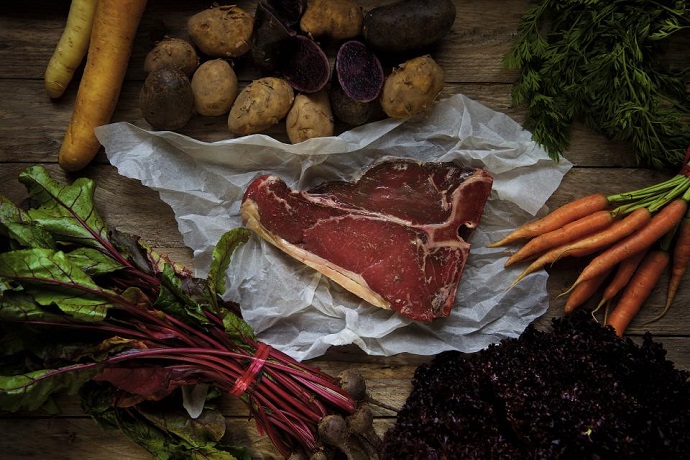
[{"x": 393, "y": 238}]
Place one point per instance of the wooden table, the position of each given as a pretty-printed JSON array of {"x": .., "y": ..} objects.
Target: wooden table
[{"x": 32, "y": 127}]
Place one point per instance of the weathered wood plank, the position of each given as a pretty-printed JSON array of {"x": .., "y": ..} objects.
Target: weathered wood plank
[
  {"x": 31, "y": 130},
  {"x": 66, "y": 438},
  {"x": 33, "y": 126},
  {"x": 472, "y": 52},
  {"x": 81, "y": 438}
]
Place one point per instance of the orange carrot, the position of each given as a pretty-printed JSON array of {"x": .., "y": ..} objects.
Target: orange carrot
[
  {"x": 583, "y": 292},
  {"x": 622, "y": 277},
  {"x": 638, "y": 290},
  {"x": 557, "y": 218},
  {"x": 114, "y": 28},
  {"x": 621, "y": 229},
  {"x": 664, "y": 221},
  {"x": 680, "y": 258},
  {"x": 569, "y": 232},
  {"x": 591, "y": 243}
]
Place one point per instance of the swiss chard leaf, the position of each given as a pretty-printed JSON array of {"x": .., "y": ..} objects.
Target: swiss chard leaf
[
  {"x": 18, "y": 226},
  {"x": 51, "y": 278},
  {"x": 20, "y": 306},
  {"x": 93, "y": 262},
  {"x": 80, "y": 351},
  {"x": 151, "y": 382},
  {"x": 209, "y": 427},
  {"x": 221, "y": 256},
  {"x": 181, "y": 297},
  {"x": 159, "y": 429},
  {"x": 66, "y": 211},
  {"x": 32, "y": 390}
]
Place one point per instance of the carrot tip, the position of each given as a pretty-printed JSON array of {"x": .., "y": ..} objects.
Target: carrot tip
[
  {"x": 570, "y": 289},
  {"x": 516, "y": 281},
  {"x": 659, "y": 316},
  {"x": 503, "y": 242}
]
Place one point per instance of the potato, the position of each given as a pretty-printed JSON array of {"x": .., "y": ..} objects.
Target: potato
[
  {"x": 172, "y": 52},
  {"x": 412, "y": 87},
  {"x": 310, "y": 116},
  {"x": 358, "y": 71},
  {"x": 214, "y": 86},
  {"x": 260, "y": 105},
  {"x": 221, "y": 31},
  {"x": 408, "y": 25},
  {"x": 166, "y": 99},
  {"x": 348, "y": 110},
  {"x": 336, "y": 19}
]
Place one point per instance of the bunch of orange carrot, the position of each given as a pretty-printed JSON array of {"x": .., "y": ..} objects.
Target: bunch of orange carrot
[{"x": 630, "y": 238}]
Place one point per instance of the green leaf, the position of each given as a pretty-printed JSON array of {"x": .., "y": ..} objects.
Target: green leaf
[
  {"x": 87, "y": 351},
  {"x": 166, "y": 433},
  {"x": 222, "y": 254},
  {"x": 236, "y": 327},
  {"x": 18, "y": 226},
  {"x": 32, "y": 390},
  {"x": 595, "y": 59},
  {"x": 93, "y": 262},
  {"x": 29, "y": 236},
  {"x": 51, "y": 278},
  {"x": 209, "y": 427},
  {"x": 182, "y": 297},
  {"x": 21, "y": 306},
  {"x": 66, "y": 211}
]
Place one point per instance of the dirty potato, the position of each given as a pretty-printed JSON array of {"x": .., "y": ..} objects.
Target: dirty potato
[
  {"x": 336, "y": 19},
  {"x": 260, "y": 105},
  {"x": 214, "y": 85},
  {"x": 412, "y": 87},
  {"x": 172, "y": 52},
  {"x": 310, "y": 116},
  {"x": 221, "y": 31}
]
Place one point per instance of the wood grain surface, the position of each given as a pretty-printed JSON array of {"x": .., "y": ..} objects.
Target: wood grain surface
[{"x": 32, "y": 127}]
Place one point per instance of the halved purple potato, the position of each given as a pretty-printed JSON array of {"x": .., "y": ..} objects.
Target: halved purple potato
[
  {"x": 304, "y": 64},
  {"x": 288, "y": 11},
  {"x": 269, "y": 33},
  {"x": 359, "y": 71}
]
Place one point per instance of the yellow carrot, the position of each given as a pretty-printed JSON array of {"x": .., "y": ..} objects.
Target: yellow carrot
[
  {"x": 71, "y": 48},
  {"x": 112, "y": 38}
]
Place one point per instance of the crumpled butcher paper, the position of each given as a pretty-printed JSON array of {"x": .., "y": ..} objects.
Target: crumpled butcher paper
[{"x": 296, "y": 309}]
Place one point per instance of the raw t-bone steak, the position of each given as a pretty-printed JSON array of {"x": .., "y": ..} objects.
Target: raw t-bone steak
[{"x": 394, "y": 237}]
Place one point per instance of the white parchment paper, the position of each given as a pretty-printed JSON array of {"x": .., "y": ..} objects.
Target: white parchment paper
[{"x": 294, "y": 308}]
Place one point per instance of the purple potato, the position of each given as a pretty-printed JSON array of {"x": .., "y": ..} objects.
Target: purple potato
[
  {"x": 268, "y": 36},
  {"x": 359, "y": 71},
  {"x": 408, "y": 25},
  {"x": 348, "y": 110},
  {"x": 288, "y": 11},
  {"x": 304, "y": 64}
]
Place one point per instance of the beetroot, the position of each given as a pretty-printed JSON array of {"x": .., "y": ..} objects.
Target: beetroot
[{"x": 359, "y": 71}]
